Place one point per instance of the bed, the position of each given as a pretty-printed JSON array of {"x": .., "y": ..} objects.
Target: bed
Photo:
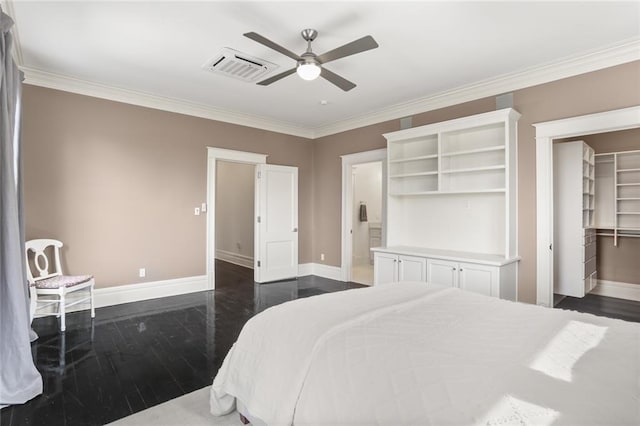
[{"x": 416, "y": 354}]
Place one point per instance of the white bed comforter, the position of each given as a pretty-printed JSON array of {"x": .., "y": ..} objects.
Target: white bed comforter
[{"x": 416, "y": 354}]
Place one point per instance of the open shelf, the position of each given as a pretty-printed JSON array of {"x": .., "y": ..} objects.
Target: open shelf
[
  {"x": 474, "y": 151},
  {"x": 404, "y": 175},
  {"x": 422, "y": 157},
  {"x": 447, "y": 181},
  {"x": 474, "y": 169}
]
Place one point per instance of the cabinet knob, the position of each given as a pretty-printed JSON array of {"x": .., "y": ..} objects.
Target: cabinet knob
[
  {"x": 395, "y": 260},
  {"x": 460, "y": 269},
  {"x": 453, "y": 269},
  {"x": 400, "y": 261}
]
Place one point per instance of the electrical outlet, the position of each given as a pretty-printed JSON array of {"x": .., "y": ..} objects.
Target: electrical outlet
[
  {"x": 203, "y": 208},
  {"x": 142, "y": 272},
  {"x": 196, "y": 211},
  {"x": 321, "y": 256}
]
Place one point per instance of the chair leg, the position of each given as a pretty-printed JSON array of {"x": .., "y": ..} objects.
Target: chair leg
[
  {"x": 93, "y": 309},
  {"x": 63, "y": 352},
  {"x": 63, "y": 325}
]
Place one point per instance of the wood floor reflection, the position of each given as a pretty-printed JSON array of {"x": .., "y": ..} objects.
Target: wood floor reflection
[{"x": 137, "y": 355}]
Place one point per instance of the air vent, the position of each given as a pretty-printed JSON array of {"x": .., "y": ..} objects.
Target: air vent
[{"x": 239, "y": 65}]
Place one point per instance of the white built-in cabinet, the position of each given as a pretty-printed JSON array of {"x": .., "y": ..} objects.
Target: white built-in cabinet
[
  {"x": 490, "y": 275},
  {"x": 452, "y": 198},
  {"x": 617, "y": 210},
  {"x": 574, "y": 192},
  {"x": 391, "y": 267}
]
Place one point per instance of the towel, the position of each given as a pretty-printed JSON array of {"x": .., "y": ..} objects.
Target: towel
[{"x": 363, "y": 212}]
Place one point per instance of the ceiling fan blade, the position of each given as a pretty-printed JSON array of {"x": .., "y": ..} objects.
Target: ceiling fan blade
[
  {"x": 276, "y": 77},
  {"x": 265, "y": 41},
  {"x": 334, "y": 78},
  {"x": 361, "y": 45}
]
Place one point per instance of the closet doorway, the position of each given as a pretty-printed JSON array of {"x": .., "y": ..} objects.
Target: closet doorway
[
  {"x": 598, "y": 191},
  {"x": 546, "y": 134},
  {"x": 363, "y": 213}
]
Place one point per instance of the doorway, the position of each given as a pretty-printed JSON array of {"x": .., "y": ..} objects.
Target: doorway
[
  {"x": 235, "y": 195},
  {"x": 275, "y": 215},
  {"x": 366, "y": 219},
  {"x": 546, "y": 133},
  {"x": 214, "y": 156},
  {"x": 364, "y": 192}
]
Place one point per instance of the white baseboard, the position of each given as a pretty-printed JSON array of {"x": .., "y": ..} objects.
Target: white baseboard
[
  {"x": 617, "y": 289},
  {"x": 320, "y": 270},
  {"x": 327, "y": 271},
  {"x": 109, "y": 296},
  {"x": 305, "y": 269},
  {"x": 235, "y": 258}
]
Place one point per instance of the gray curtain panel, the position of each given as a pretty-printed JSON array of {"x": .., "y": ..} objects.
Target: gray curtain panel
[{"x": 19, "y": 379}]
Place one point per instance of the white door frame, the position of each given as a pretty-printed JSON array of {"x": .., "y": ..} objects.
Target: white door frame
[
  {"x": 348, "y": 161},
  {"x": 546, "y": 132},
  {"x": 213, "y": 155}
]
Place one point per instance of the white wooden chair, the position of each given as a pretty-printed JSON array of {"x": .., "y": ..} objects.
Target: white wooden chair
[{"x": 50, "y": 282}]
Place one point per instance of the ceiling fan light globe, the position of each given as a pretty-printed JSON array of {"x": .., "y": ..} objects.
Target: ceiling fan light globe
[{"x": 308, "y": 71}]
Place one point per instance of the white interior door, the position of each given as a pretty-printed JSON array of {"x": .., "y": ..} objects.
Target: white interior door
[{"x": 276, "y": 236}]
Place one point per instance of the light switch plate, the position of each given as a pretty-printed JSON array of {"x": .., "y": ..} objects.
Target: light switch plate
[{"x": 196, "y": 211}]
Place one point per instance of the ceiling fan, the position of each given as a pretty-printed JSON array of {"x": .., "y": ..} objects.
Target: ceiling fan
[{"x": 310, "y": 65}]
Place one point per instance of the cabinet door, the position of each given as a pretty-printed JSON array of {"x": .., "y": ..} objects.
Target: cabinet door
[
  {"x": 385, "y": 268},
  {"x": 479, "y": 279},
  {"x": 412, "y": 268},
  {"x": 442, "y": 272}
]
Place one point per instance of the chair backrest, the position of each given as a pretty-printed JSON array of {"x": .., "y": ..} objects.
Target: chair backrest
[{"x": 40, "y": 259}]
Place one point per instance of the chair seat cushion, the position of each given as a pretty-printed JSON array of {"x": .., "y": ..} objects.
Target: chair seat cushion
[{"x": 60, "y": 281}]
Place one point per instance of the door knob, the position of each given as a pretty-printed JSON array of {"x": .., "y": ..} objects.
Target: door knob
[{"x": 295, "y": 229}]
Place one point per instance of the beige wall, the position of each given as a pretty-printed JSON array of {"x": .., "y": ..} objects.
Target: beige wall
[
  {"x": 118, "y": 183},
  {"x": 603, "y": 90},
  {"x": 235, "y": 196},
  {"x": 623, "y": 140}
]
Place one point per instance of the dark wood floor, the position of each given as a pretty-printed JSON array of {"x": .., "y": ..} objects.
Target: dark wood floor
[
  {"x": 137, "y": 355},
  {"x": 628, "y": 310}
]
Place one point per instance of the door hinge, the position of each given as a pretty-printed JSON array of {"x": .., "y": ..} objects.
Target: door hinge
[
  {"x": 258, "y": 219},
  {"x": 258, "y": 263},
  {"x": 550, "y": 246}
]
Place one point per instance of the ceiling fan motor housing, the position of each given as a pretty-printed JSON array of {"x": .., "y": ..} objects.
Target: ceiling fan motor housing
[{"x": 309, "y": 34}]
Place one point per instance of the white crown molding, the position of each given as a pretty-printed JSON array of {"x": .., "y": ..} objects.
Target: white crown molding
[
  {"x": 83, "y": 87},
  {"x": 624, "y": 52},
  {"x": 627, "y": 51}
]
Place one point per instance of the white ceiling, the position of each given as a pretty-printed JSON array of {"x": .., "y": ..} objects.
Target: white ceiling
[{"x": 426, "y": 48}]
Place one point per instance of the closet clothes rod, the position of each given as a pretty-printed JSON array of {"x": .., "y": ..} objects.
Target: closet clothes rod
[{"x": 615, "y": 233}]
